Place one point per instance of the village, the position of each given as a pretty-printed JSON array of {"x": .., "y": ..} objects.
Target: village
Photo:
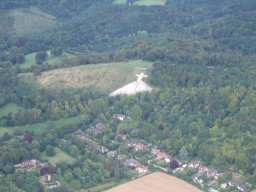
[{"x": 141, "y": 158}]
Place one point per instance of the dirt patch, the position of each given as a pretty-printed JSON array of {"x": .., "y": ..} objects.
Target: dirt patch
[{"x": 159, "y": 182}]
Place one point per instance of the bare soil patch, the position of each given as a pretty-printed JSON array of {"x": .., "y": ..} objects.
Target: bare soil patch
[{"x": 159, "y": 182}]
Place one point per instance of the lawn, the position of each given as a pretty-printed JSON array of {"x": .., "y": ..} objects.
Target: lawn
[
  {"x": 8, "y": 108},
  {"x": 105, "y": 76},
  {"x": 60, "y": 156},
  {"x": 42, "y": 127}
]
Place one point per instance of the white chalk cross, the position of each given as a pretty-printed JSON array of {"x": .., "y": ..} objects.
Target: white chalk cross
[{"x": 140, "y": 76}]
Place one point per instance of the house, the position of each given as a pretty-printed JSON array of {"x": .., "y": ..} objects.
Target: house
[
  {"x": 33, "y": 163},
  {"x": 121, "y": 157},
  {"x": 112, "y": 154},
  {"x": 83, "y": 136},
  {"x": 132, "y": 163},
  {"x": 203, "y": 169},
  {"x": 154, "y": 151},
  {"x": 141, "y": 169},
  {"x": 168, "y": 158},
  {"x": 119, "y": 117},
  {"x": 103, "y": 149},
  {"x": 161, "y": 155},
  {"x": 99, "y": 128},
  {"x": 122, "y": 136},
  {"x": 45, "y": 179},
  {"x": 213, "y": 174},
  {"x": 223, "y": 185},
  {"x": 53, "y": 185},
  {"x": 194, "y": 164},
  {"x": 136, "y": 145}
]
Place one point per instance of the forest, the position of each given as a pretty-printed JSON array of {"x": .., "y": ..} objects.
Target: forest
[{"x": 203, "y": 73}]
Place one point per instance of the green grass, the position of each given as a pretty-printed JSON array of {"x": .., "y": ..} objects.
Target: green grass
[
  {"x": 10, "y": 107},
  {"x": 5, "y": 130},
  {"x": 120, "y": 2},
  {"x": 105, "y": 76},
  {"x": 142, "y": 2},
  {"x": 150, "y": 2},
  {"x": 42, "y": 127},
  {"x": 31, "y": 60},
  {"x": 60, "y": 156}
]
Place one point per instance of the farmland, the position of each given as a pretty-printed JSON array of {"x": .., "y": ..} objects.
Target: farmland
[
  {"x": 105, "y": 76},
  {"x": 156, "y": 182}
]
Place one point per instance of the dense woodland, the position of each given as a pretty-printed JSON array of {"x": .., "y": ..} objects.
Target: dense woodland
[{"x": 204, "y": 75}]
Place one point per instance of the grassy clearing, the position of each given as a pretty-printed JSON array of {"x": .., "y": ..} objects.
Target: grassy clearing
[
  {"x": 31, "y": 60},
  {"x": 10, "y": 107},
  {"x": 60, "y": 156},
  {"x": 120, "y": 2},
  {"x": 106, "y": 76},
  {"x": 5, "y": 130},
  {"x": 142, "y": 2},
  {"x": 150, "y": 2},
  {"x": 42, "y": 127}
]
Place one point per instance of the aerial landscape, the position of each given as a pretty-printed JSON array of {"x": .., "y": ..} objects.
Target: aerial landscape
[{"x": 127, "y": 95}]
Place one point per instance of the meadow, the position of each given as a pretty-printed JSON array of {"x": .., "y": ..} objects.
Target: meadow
[
  {"x": 42, "y": 127},
  {"x": 104, "y": 76},
  {"x": 30, "y": 59},
  {"x": 24, "y": 21}
]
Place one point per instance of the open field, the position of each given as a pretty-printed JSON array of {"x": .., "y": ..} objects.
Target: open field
[
  {"x": 25, "y": 21},
  {"x": 5, "y": 130},
  {"x": 106, "y": 76},
  {"x": 150, "y": 2},
  {"x": 60, "y": 156},
  {"x": 31, "y": 60},
  {"x": 42, "y": 127},
  {"x": 142, "y": 2},
  {"x": 10, "y": 107},
  {"x": 159, "y": 182}
]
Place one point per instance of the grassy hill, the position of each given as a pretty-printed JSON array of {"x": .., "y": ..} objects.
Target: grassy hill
[
  {"x": 25, "y": 21},
  {"x": 105, "y": 76}
]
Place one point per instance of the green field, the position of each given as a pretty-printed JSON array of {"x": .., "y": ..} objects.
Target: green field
[
  {"x": 142, "y": 2},
  {"x": 10, "y": 107},
  {"x": 31, "y": 60},
  {"x": 25, "y": 21},
  {"x": 106, "y": 76},
  {"x": 5, "y": 130},
  {"x": 42, "y": 127},
  {"x": 60, "y": 156}
]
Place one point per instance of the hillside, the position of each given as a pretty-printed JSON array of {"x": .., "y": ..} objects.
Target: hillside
[{"x": 60, "y": 60}]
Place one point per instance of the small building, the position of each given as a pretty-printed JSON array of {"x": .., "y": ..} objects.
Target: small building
[
  {"x": 141, "y": 169},
  {"x": 52, "y": 185},
  {"x": 168, "y": 158},
  {"x": 33, "y": 163},
  {"x": 112, "y": 154},
  {"x": 45, "y": 179},
  {"x": 99, "y": 128},
  {"x": 119, "y": 117},
  {"x": 194, "y": 164}
]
